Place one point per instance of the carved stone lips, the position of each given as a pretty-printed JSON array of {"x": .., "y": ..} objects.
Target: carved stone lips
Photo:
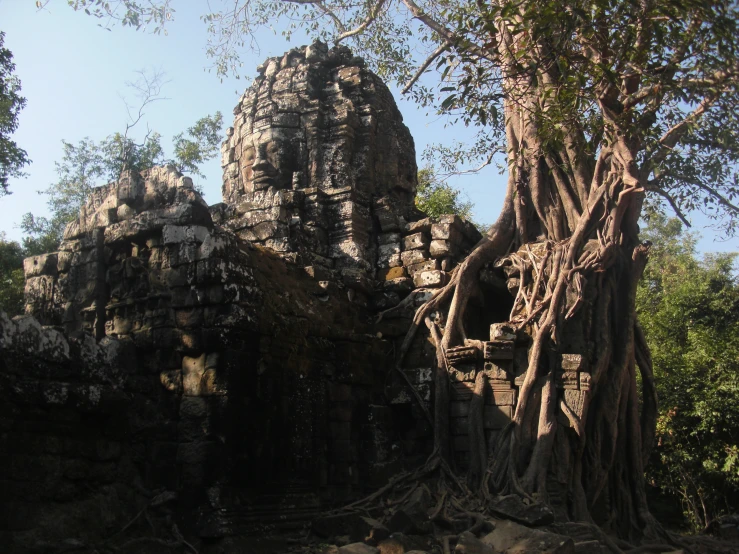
[{"x": 261, "y": 177}]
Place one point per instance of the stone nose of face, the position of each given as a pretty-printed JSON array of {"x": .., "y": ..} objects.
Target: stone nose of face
[{"x": 261, "y": 163}]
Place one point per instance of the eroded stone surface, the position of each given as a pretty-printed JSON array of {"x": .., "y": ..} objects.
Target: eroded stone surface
[{"x": 232, "y": 354}]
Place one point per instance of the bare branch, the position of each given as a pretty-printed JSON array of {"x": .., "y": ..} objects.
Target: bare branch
[
  {"x": 670, "y": 138},
  {"x": 652, "y": 187},
  {"x": 424, "y": 66},
  {"x": 371, "y": 16},
  {"x": 321, "y": 6},
  {"x": 447, "y": 35}
]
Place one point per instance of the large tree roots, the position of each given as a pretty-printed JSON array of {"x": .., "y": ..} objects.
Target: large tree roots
[{"x": 433, "y": 509}]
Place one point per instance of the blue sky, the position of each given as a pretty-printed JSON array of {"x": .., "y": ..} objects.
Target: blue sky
[{"x": 73, "y": 73}]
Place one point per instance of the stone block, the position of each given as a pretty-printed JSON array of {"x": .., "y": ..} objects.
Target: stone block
[
  {"x": 416, "y": 241},
  {"x": 411, "y": 257},
  {"x": 391, "y": 273},
  {"x": 496, "y": 371},
  {"x": 388, "y": 220},
  {"x": 467, "y": 543},
  {"x": 584, "y": 381},
  {"x": 498, "y": 350},
  {"x": 513, "y": 538},
  {"x": 459, "y": 426},
  {"x": 502, "y": 331},
  {"x": 369, "y": 531},
  {"x": 173, "y": 234},
  {"x": 428, "y": 265},
  {"x": 446, "y": 232},
  {"x": 420, "y": 226},
  {"x": 442, "y": 248},
  {"x": 411, "y": 517},
  {"x": 459, "y": 409},
  {"x": 462, "y": 354},
  {"x": 462, "y": 390},
  {"x": 567, "y": 380},
  {"x": 501, "y": 397},
  {"x": 45, "y": 264},
  {"x": 356, "y": 279},
  {"x": 430, "y": 279}
]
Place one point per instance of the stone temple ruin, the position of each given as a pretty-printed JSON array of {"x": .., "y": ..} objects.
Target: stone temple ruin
[{"x": 231, "y": 355}]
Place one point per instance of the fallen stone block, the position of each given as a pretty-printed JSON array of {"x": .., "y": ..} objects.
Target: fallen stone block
[
  {"x": 470, "y": 544},
  {"x": 512, "y": 538}
]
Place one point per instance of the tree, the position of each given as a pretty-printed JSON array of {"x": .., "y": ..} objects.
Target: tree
[
  {"x": 12, "y": 158},
  {"x": 12, "y": 279},
  {"x": 597, "y": 104},
  {"x": 689, "y": 311},
  {"x": 89, "y": 164},
  {"x": 435, "y": 197}
]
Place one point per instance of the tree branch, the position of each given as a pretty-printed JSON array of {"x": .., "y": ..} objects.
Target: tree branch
[
  {"x": 424, "y": 66},
  {"x": 652, "y": 187},
  {"x": 447, "y": 35},
  {"x": 320, "y": 5},
  {"x": 371, "y": 16}
]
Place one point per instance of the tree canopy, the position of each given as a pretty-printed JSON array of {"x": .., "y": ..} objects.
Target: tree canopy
[
  {"x": 689, "y": 310},
  {"x": 89, "y": 164},
  {"x": 435, "y": 197},
  {"x": 664, "y": 73},
  {"x": 12, "y": 157}
]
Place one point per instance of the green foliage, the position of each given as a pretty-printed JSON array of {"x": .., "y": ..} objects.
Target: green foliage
[
  {"x": 12, "y": 158},
  {"x": 89, "y": 164},
  {"x": 689, "y": 309},
  {"x": 666, "y": 71},
  {"x": 435, "y": 197},
  {"x": 202, "y": 143},
  {"x": 11, "y": 276}
]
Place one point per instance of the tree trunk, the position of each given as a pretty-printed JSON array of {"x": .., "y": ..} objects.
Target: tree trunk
[{"x": 567, "y": 239}]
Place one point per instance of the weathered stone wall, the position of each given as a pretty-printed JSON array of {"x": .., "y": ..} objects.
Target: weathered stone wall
[{"x": 232, "y": 354}]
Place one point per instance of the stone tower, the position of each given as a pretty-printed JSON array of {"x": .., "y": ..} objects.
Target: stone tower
[{"x": 318, "y": 147}]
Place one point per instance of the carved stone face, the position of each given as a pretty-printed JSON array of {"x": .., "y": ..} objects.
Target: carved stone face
[{"x": 269, "y": 159}]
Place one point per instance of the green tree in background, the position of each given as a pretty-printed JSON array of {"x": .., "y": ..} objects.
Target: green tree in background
[
  {"x": 435, "y": 197},
  {"x": 11, "y": 276},
  {"x": 12, "y": 158},
  {"x": 689, "y": 311},
  {"x": 89, "y": 164}
]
